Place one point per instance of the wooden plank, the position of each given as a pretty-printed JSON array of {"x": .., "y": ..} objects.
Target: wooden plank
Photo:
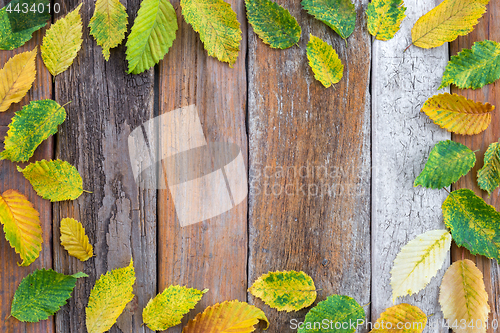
[
  {"x": 488, "y": 28},
  {"x": 211, "y": 254},
  {"x": 106, "y": 105},
  {"x": 10, "y": 273},
  {"x": 309, "y": 200},
  {"x": 402, "y": 139}
]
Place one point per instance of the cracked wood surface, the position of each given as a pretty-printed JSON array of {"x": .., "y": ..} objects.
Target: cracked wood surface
[{"x": 402, "y": 139}]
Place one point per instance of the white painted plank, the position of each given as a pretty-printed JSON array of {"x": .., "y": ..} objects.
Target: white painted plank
[{"x": 401, "y": 141}]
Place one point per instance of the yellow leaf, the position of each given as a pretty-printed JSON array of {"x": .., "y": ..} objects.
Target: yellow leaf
[
  {"x": 232, "y": 316},
  {"x": 17, "y": 76},
  {"x": 401, "y": 318},
  {"x": 111, "y": 293},
  {"x": 74, "y": 240},
  {"x": 21, "y": 224},
  {"x": 458, "y": 114},
  {"x": 463, "y": 297},
  {"x": 62, "y": 42},
  {"x": 447, "y": 21}
]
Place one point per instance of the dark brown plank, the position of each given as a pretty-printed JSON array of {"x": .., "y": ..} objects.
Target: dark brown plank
[
  {"x": 211, "y": 254},
  {"x": 10, "y": 273},
  {"x": 106, "y": 105},
  {"x": 298, "y": 127},
  {"x": 488, "y": 28}
]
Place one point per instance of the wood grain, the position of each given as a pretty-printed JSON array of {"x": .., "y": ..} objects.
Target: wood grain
[
  {"x": 106, "y": 105},
  {"x": 309, "y": 200},
  {"x": 211, "y": 254},
  {"x": 488, "y": 28},
  {"x": 10, "y": 273},
  {"x": 402, "y": 139}
]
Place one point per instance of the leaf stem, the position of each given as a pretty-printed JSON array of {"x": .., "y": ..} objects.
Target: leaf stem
[
  {"x": 87, "y": 191},
  {"x": 407, "y": 47}
]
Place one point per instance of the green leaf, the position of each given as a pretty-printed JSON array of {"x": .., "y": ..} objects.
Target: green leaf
[
  {"x": 448, "y": 161},
  {"x": 152, "y": 35},
  {"x": 54, "y": 180},
  {"x": 28, "y": 19},
  {"x": 108, "y": 25},
  {"x": 167, "y": 309},
  {"x": 324, "y": 61},
  {"x": 9, "y": 39},
  {"x": 62, "y": 42},
  {"x": 338, "y": 310},
  {"x": 273, "y": 23},
  {"x": 41, "y": 294},
  {"x": 473, "y": 223},
  {"x": 285, "y": 291},
  {"x": 384, "y": 18},
  {"x": 30, "y": 126},
  {"x": 488, "y": 177},
  {"x": 340, "y": 15},
  {"x": 111, "y": 293},
  {"x": 217, "y": 25},
  {"x": 474, "y": 68}
]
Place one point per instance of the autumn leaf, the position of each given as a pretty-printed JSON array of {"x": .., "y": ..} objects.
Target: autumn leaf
[
  {"x": 167, "y": 309},
  {"x": 324, "y": 61},
  {"x": 74, "y": 240},
  {"x": 338, "y": 310},
  {"x": 474, "y": 68},
  {"x": 418, "y": 262},
  {"x": 457, "y": 114},
  {"x": 37, "y": 15},
  {"x": 447, "y": 21},
  {"x": 409, "y": 317},
  {"x": 285, "y": 291},
  {"x": 217, "y": 25},
  {"x": 108, "y": 25},
  {"x": 488, "y": 177},
  {"x": 30, "y": 126},
  {"x": 21, "y": 225},
  {"x": 17, "y": 76},
  {"x": 62, "y": 42},
  {"x": 463, "y": 297},
  {"x": 448, "y": 161},
  {"x": 229, "y": 316},
  {"x": 473, "y": 223},
  {"x": 10, "y": 39},
  {"x": 54, "y": 180},
  {"x": 41, "y": 294},
  {"x": 152, "y": 35},
  {"x": 384, "y": 18},
  {"x": 340, "y": 15},
  {"x": 273, "y": 23},
  {"x": 111, "y": 293}
]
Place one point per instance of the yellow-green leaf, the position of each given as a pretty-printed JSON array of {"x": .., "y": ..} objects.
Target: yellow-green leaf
[
  {"x": 167, "y": 309},
  {"x": 111, "y": 293},
  {"x": 324, "y": 61},
  {"x": 401, "y": 318},
  {"x": 458, "y": 114},
  {"x": 488, "y": 177},
  {"x": 418, "y": 262},
  {"x": 217, "y": 25},
  {"x": 54, "y": 180},
  {"x": 447, "y": 21},
  {"x": 74, "y": 240},
  {"x": 384, "y": 18},
  {"x": 285, "y": 291},
  {"x": 340, "y": 15},
  {"x": 17, "y": 76},
  {"x": 21, "y": 224},
  {"x": 463, "y": 297},
  {"x": 152, "y": 35},
  {"x": 232, "y": 316},
  {"x": 30, "y": 126},
  {"x": 62, "y": 42},
  {"x": 108, "y": 25}
]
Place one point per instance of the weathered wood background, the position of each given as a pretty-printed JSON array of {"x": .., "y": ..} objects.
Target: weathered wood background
[{"x": 330, "y": 171}]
